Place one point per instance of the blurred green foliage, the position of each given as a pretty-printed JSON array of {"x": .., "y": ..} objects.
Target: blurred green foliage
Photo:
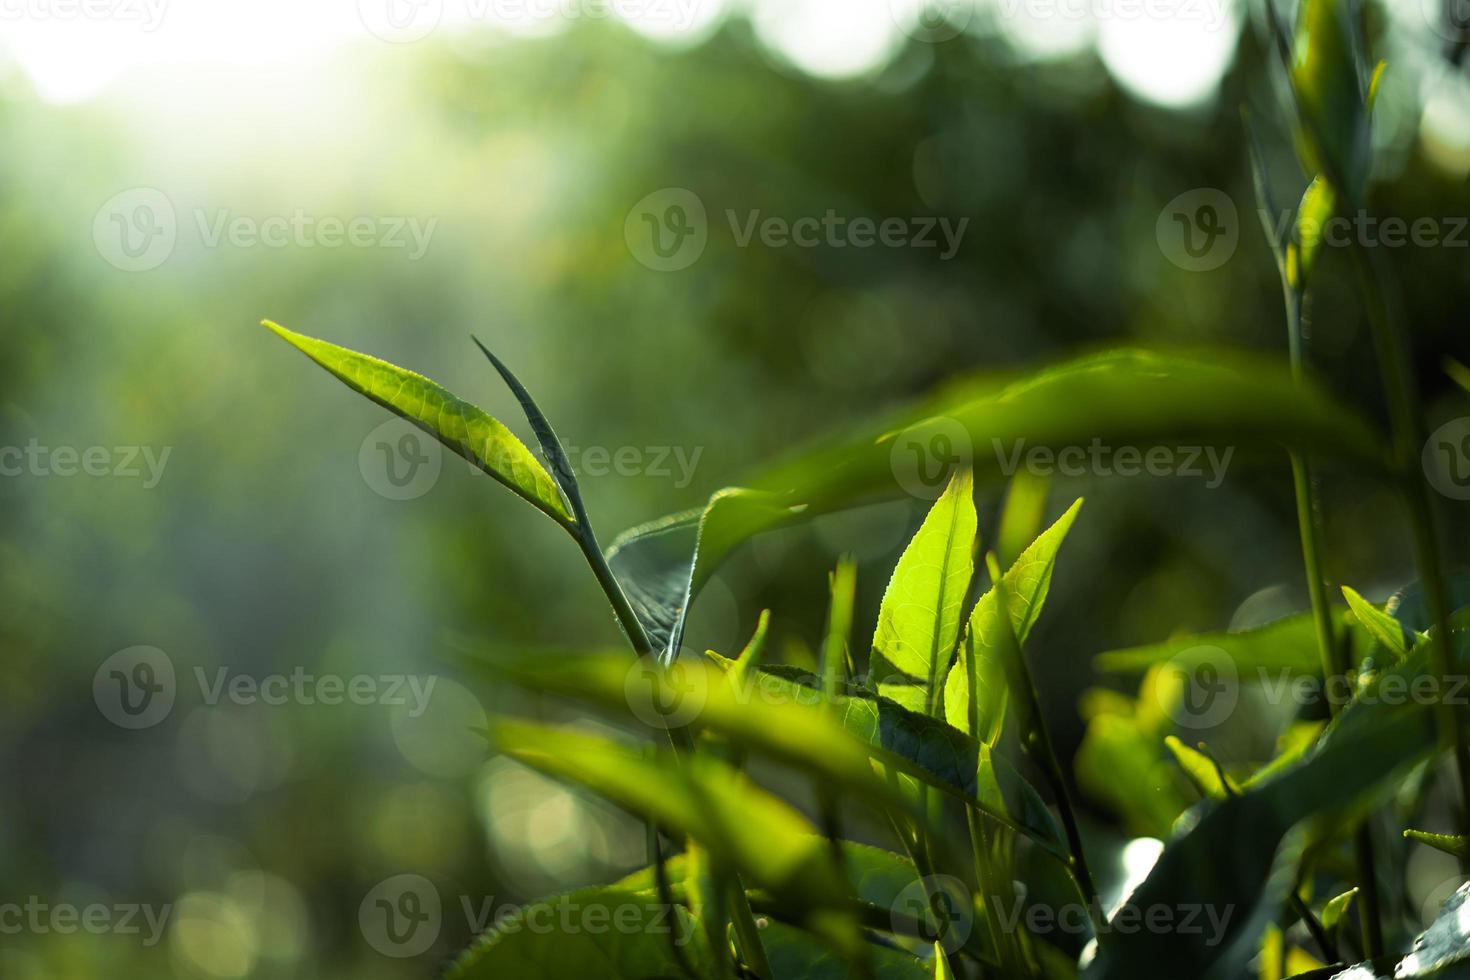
[{"x": 263, "y": 548}]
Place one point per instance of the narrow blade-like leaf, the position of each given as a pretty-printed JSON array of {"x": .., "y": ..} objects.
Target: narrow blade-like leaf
[
  {"x": 1027, "y": 582},
  {"x": 462, "y": 427}
]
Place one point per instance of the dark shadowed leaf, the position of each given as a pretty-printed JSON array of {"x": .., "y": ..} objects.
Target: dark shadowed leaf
[
  {"x": 1226, "y": 861},
  {"x": 615, "y": 933},
  {"x": 795, "y": 955}
]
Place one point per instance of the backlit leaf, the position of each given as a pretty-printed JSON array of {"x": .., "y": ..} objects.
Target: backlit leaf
[
  {"x": 919, "y": 619},
  {"x": 464, "y": 428}
]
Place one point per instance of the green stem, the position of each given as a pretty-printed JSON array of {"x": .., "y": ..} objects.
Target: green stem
[
  {"x": 1334, "y": 661},
  {"x": 1039, "y": 742},
  {"x": 747, "y": 934},
  {"x": 586, "y": 539},
  {"x": 1401, "y": 391}
]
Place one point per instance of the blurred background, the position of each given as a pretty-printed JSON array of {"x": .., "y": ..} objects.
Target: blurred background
[{"x": 189, "y": 506}]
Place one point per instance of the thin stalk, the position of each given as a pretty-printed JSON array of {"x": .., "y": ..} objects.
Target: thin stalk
[
  {"x": 1334, "y": 663},
  {"x": 587, "y": 540},
  {"x": 747, "y": 934},
  {"x": 1401, "y": 391}
]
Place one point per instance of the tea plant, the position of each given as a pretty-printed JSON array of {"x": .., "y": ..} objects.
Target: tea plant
[{"x": 935, "y": 727}]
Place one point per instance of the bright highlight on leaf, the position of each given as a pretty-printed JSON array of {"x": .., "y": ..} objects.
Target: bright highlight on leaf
[{"x": 919, "y": 620}]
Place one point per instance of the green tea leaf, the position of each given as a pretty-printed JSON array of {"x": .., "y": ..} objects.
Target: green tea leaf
[
  {"x": 1383, "y": 627},
  {"x": 919, "y": 619},
  {"x": 835, "y": 652},
  {"x": 662, "y": 565},
  {"x": 1317, "y": 207},
  {"x": 1027, "y": 582},
  {"x": 1336, "y": 908},
  {"x": 615, "y": 933},
  {"x": 941, "y": 965},
  {"x": 1021, "y": 520},
  {"x": 767, "y": 841},
  {"x": 1449, "y": 843},
  {"x": 551, "y": 447},
  {"x": 1217, "y": 399},
  {"x": 749, "y": 662},
  {"x": 875, "y": 876},
  {"x": 838, "y": 742},
  {"x": 1288, "y": 644},
  {"x": 793, "y": 954},
  {"x": 1199, "y": 768},
  {"x": 1458, "y": 372},
  {"x": 1225, "y": 863},
  {"x": 1331, "y": 102},
  {"x": 944, "y": 756},
  {"x": 1445, "y": 944},
  {"x": 462, "y": 427}
]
